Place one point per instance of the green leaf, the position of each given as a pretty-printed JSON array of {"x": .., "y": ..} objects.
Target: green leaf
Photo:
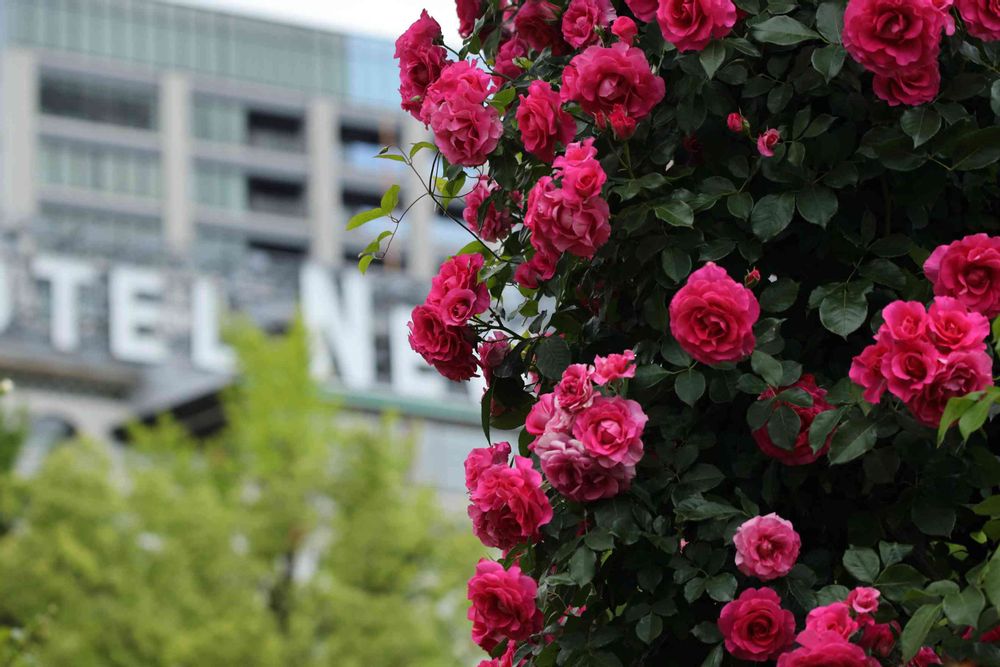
[
  {"x": 953, "y": 410},
  {"x": 995, "y": 97},
  {"x": 817, "y": 204},
  {"x": 894, "y": 245},
  {"x": 767, "y": 367},
  {"x": 740, "y": 205},
  {"x": 675, "y": 213},
  {"x": 390, "y": 199},
  {"x": 419, "y": 146},
  {"x": 779, "y": 297},
  {"x": 821, "y": 427},
  {"x": 845, "y": 309},
  {"x": 771, "y": 214},
  {"x": 932, "y": 519},
  {"x": 599, "y": 539},
  {"x": 582, "y": 565},
  {"x": 503, "y": 98},
  {"x": 395, "y": 157},
  {"x": 650, "y": 375},
  {"x": 893, "y": 552},
  {"x": 829, "y": 60},
  {"x": 783, "y": 427},
  {"x": 714, "y": 658},
  {"x": 884, "y": 272},
  {"x": 830, "y": 21},
  {"x": 649, "y": 628},
  {"x": 676, "y": 263},
  {"x": 365, "y": 217},
  {"x": 963, "y": 608},
  {"x": 364, "y": 262},
  {"x": 818, "y": 126},
  {"x": 552, "y": 356},
  {"x": 899, "y": 579},
  {"x": 853, "y": 439},
  {"x": 694, "y": 589},
  {"x": 690, "y": 386},
  {"x": 917, "y": 629},
  {"x": 976, "y": 149},
  {"x": 862, "y": 563},
  {"x": 921, "y": 123},
  {"x": 782, "y": 30},
  {"x": 721, "y": 587},
  {"x": 696, "y": 508},
  {"x": 712, "y": 57},
  {"x": 975, "y": 417},
  {"x": 991, "y": 580}
]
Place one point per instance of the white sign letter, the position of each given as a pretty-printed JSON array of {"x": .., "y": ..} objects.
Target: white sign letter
[
  {"x": 6, "y": 299},
  {"x": 135, "y": 294},
  {"x": 207, "y": 351},
  {"x": 65, "y": 276}
]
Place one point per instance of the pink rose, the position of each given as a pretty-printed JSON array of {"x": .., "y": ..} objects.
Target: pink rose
[
  {"x": 712, "y": 316},
  {"x": 575, "y": 390},
  {"x": 503, "y": 605},
  {"x": 542, "y": 413},
  {"x": 506, "y": 660},
  {"x": 461, "y": 272},
  {"x": 960, "y": 373},
  {"x": 541, "y": 267},
  {"x": 755, "y": 626},
  {"x": 577, "y": 475},
  {"x": 969, "y": 270},
  {"x": 801, "y": 453},
  {"x": 953, "y": 327},
  {"x": 879, "y": 638},
  {"x": 537, "y": 24},
  {"x": 561, "y": 223},
  {"x": 492, "y": 225},
  {"x": 611, "y": 430},
  {"x": 458, "y": 83},
  {"x": 582, "y": 18},
  {"x": 492, "y": 353},
  {"x": 864, "y": 600},
  {"x": 909, "y": 366},
  {"x": 504, "y": 67},
  {"x": 910, "y": 86},
  {"x": 421, "y": 59},
  {"x": 469, "y": 12},
  {"x": 614, "y": 367},
  {"x": 831, "y": 654},
  {"x": 766, "y": 547},
  {"x": 925, "y": 657},
  {"x": 466, "y": 133},
  {"x": 767, "y": 141},
  {"x": 622, "y": 125},
  {"x": 833, "y": 620},
  {"x": 457, "y": 307},
  {"x": 582, "y": 174},
  {"x": 866, "y": 371},
  {"x": 691, "y": 24},
  {"x": 602, "y": 77},
  {"x": 887, "y": 35},
  {"x": 542, "y": 121},
  {"x": 624, "y": 29},
  {"x": 481, "y": 458},
  {"x": 644, "y": 10},
  {"x": 982, "y": 18},
  {"x": 735, "y": 122},
  {"x": 904, "y": 320},
  {"x": 446, "y": 348},
  {"x": 508, "y": 505}
]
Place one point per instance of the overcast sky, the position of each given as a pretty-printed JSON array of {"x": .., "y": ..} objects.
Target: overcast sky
[{"x": 380, "y": 18}]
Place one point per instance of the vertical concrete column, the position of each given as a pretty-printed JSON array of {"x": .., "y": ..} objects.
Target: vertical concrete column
[
  {"x": 421, "y": 260},
  {"x": 175, "y": 161},
  {"x": 325, "y": 203},
  {"x": 19, "y": 104}
]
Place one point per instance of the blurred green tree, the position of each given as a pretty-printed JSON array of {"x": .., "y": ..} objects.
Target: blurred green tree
[{"x": 293, "y": 537}]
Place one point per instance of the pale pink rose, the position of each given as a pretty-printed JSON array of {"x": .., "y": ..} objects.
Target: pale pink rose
[
  {"x": 981, "y": 17},
  {"x": 866, "y": 371},
  {"x": 625, "y": 30},
  {"x": 766, "y": 547},
  {"x": 503, "y": 605},
  {"x": 537, "y": 25},
  {"x": 712, "y": 316},
  {"x": 801, "y": 452},
  {"x": 952, "y": 326},
  {"x": 969, "y": 270},
  {"x": 508, "y": 505},
  {"x": 960, "y": 373},
  {"x": 911, "y": 86},
  {"x": 493, "y": 224},
  {"x": 909, "y": 366},
  {"x": 614, "y": 367},
  {"x": 767, "y": 141},
  {"x": 574, "y": 473},
  {"x": 756, "y": 627},
  {"x": 833, "y": 619},
  {"x": 542, "y": 122},
  {"x": 691, "y": 24},
  {"x": 644, "y": 10},
  {"x": 481, "y": 458},
  {"x": 421, "y": 58},
  {"x": 602, "y": 77},
  {"x": 469, "y": 12},
  {"x": 582, "y": 18},
  {"x": 446, "y": 348},
  {"x": 904, "y": 321},
  {"x": 575, "y": 390},
  {"x": 466, "y": 133},
  {"x": 735, "y": 122},
  {"x": 611, "y": 430},
  {"x": 887, "y": 35},
  {"x": 864, "y": 599}
]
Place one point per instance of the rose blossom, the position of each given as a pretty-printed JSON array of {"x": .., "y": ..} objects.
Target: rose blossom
[
  {"x": 767, "y": 141},
  {"x": 925, "y": 657},
  {"x": 582, "y": 174},
  {"x": 602, "y": 77},
  {"x": 541, "y": 267},
  {"x": 574, "y": 473},
  {"x": 801, "y": 452},
  {"x": 735, "y": 122},
  {"x": 582, "y": 18},
  {"x": 766, "y": 547},
  {"x": 644, "y": 10},
  {"x": 961, "y": 373},
  {"x": 879, "y": 638},
  {"x": 691, "y": 24},
  {"x": 866, "y": 371},
  {"x": 905, "y": 320},
  {"x": 506, "y": 660},
  {"x": 887, "y": 35},
  {"x": 831, "y": 620},
  {"x": 969, "y": 270},
  {"x": 830, "y": 654},
  {"x": 508, "y": 505},
  {"x": 755, "y": 626},
  {"x": 503, "y": 605},
  {"x": 469, "y": 12},
  {"x": 575, "y": 390},
  {"x": 982, "y": 18},
  {"x": 611, "y": 430},
  {"x": 537, "y": 24},
  {"x": 481, "y": 458},
  {"x": 624, "y": 29},
  {"x": 446, "y": 348},
  {"x": 421, "y": 59},
  {"x": 460, "y": 272},
  {"x": 864, "y": 600},
  {"x": 492, "y": 353},
  {"x": 459, "y": 83},
  {"x": 952, "y": 326},
  {"x": 561, "y": 222},
  {"x": 504, "y": 66},
  {"x": 466, "y": 133},
  {"x": 712, "y": 316},
  {"x": 457, "y": 306},
  {"x": 542, "y": 121},
  {"x": 495, "y": 224},
  {"x": 545, "y": 415},
  {"x": 909, "y": 366},
  {"x": 910, "y": 86},
  {"x": 614, "y": 367}
]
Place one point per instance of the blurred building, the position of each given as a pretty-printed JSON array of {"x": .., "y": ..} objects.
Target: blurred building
[{"x": 163, "y": 166}]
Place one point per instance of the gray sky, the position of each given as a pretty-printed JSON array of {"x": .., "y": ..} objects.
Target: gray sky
[{"x": 380, "y": 18}]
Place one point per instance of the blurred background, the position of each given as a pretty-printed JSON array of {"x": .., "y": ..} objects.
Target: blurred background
[{"x": 219, "y": 448}]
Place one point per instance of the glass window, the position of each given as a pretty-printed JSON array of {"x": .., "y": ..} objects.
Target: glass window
[
  {"x": 118, "y": 171},
  {"x": 97, "y": 100}
]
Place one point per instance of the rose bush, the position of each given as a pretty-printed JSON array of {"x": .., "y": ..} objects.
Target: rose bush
[{"x": 732, "y": 279}]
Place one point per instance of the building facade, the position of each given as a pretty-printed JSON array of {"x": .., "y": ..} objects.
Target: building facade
[{"x": 162, "y": 166}]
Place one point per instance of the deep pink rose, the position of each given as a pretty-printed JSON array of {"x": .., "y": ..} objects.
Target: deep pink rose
[
  {"x": 831, "y": 654},
  {"x": 801, "y": 453},
  {"x": 622, "y": 125},
  {"x": 735, "y": 122},
  {"x": 767, "y": 141},
  {"x": 540, "y": 414},
  {"x": 904, "y": 321},
  {"x": 766, "y": 547},
  {"x": 611, "y": 430},
  {"x": 542, "y": 122},
  {"x": 460, "y": 272},
  {"x": 582, "y": 174},
  {"x": 866, "y": 371},
  {"x": 833, "y": 619},
  {"x": 492, "y": 353},
  {"x": 541, "y": 267},
  {"x": 691, "y": 24},
  {"x": 561, "y": 222},
  {"x": 421, "y": 59},
  {"x": 503, "y": 605},
  {"x": 644, "y": 10},
  {"x": 446, "y": 348},
  {"x": 466, "y": 133},
  {"x": 960, "y": 373},
  {"x": 537, "y": 24},
  {"x": 602, "y": 77},
  {"x": 574, "y": 473},
  {"x": 614, "y": 367},
  {"x": 982, "y": 18},
  {"x": 887, "y": 35},
  {"x": 459, "y": 82},
  {"x": 925, "y": 657},
  {"x": 481, "y": 458},
  {"x": 582, "y": 18},
  {"x": 457, "y": 307},
  {"x": 712, "y": 316},
  {"x": 491, "y": 225},
  {"x": 755, "y": 626},
  {"x": 911, "y": 86},
  {"x": 506, "y": 660},
  {"x": 508, "y": 505},
  {"x": 624, "y": 29},
  {"x": 864, "y": 599},
  {"x": 952, "y": 326},
  {"x": 575, "y": 390},
  {"x": 469, "y": 12},
  {"x": 909, "y": 366},
  {"x": 504, "y": 67},
  {"x": 969, "y": 270},
  {"x": 879, "y": 638}
]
